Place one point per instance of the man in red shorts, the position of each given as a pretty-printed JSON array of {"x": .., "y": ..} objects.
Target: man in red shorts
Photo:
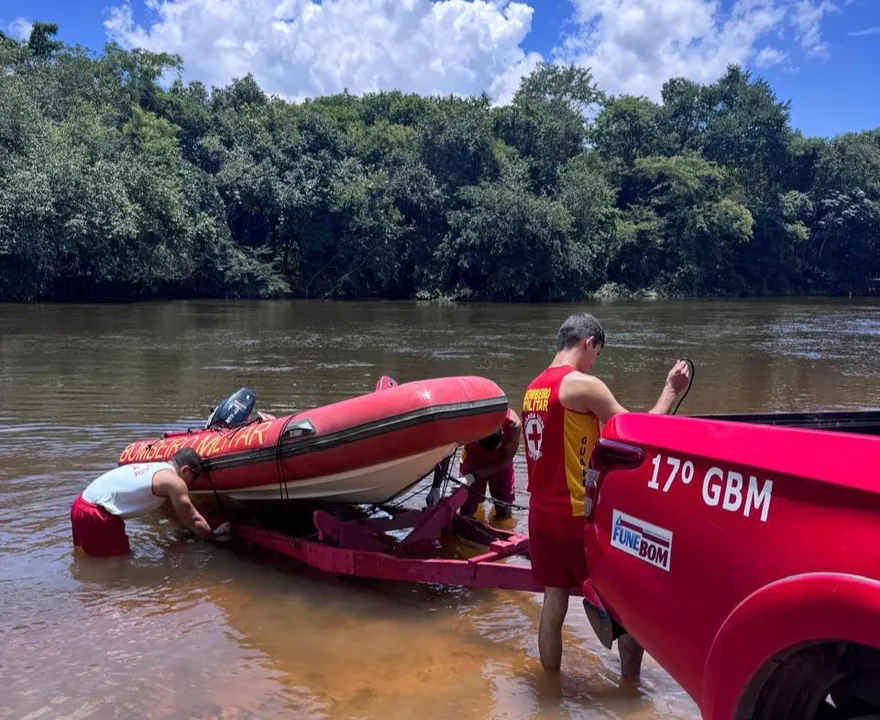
[
  {"x": 562, "y": 411},
  {"x": 490, "y": 462},
  {"x": 98, "y": 515}
]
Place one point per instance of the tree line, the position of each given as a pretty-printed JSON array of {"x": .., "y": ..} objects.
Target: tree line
[{"x": 113, "y": 187}]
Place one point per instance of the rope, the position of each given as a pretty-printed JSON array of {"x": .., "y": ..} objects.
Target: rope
[
  {"x": 690, "y": 384},
  {"x": 253, "y": 518},
  {"x": 500, "y": 503},
  {"x": 417, "y": 491},
  {"x": 217, "y": 497}
]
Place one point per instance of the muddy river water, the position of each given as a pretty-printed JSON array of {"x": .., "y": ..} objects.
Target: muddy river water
[{"x": 184, "y": 629}]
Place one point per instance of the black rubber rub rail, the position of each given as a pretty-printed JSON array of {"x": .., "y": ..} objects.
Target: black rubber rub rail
[{"x": 291, "y": 447}]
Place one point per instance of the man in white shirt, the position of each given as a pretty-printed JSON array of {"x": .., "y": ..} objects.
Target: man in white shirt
[{"x": 98, "y": 515}]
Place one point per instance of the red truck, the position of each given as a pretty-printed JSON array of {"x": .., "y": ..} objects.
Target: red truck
[{"x": 743, "y": 553}]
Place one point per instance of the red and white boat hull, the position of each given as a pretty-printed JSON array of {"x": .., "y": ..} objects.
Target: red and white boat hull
[
  {"x": 374, "y": 484},
  {"x": 366, "y": 449}
]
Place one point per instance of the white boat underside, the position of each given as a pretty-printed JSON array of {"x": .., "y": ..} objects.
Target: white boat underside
[{"x": 367, "y": 485}]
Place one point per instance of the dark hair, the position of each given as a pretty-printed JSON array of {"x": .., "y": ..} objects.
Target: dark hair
[
  {"x": 579, "y": 327},
  {"x": 187, "y": 457},
  {"x": 490, "y": 442}
]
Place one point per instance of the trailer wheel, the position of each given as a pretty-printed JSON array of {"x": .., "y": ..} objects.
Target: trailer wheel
[{"x": 828, "y": 681}]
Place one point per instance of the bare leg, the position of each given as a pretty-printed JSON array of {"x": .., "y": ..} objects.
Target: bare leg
[
  {"x": 631, "y": 654},
  {"x": 550, "y": 630}
]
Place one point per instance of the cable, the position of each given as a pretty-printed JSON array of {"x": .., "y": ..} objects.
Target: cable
[
  {"x": 220, "y": 505},
  {"x": 500, "y": 503},
  {"x": 417, "y": 491},
  {"x": 693, "y": 368}
]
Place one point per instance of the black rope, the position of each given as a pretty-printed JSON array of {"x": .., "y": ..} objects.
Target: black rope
[
  {"x": 418, "y": 491},
  {"x": 690, "y": 384},
  {"x": 498, "y": 503},
  {"x": 253, "y": 518},
  {"x": 217, "y": 497}
]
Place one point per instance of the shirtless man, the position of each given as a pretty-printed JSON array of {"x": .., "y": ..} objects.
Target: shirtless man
[
  {"x": 98, "y": 515},
  {"x": 562, "y": 411}
]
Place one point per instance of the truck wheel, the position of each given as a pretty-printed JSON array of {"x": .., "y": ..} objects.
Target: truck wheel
[{"x": 828, "y": 681}]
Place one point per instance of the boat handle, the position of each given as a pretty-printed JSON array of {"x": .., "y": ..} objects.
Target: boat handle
[{"x": 298, "y": 429}]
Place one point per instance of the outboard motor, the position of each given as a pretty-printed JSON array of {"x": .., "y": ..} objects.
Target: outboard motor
[{"x": 233, "y": 411}]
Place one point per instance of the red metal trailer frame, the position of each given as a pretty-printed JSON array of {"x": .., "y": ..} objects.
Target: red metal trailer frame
[{"x": 363, "y": 547}]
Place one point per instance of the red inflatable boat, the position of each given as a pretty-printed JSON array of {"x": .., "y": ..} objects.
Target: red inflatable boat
[{"x": 366, "y": 449}]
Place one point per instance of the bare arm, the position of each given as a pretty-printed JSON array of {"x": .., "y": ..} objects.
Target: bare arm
[
  {"x": 664, "y": 404},
  {"x": 184, "y": 510},
  {"x": 585, "y": 393},
  {"x": 588, "y": 394},
  {"x": 677, "y": 381}
]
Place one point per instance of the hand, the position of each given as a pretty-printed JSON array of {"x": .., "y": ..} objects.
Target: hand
[
  {"x": 679, "y": 377},
  {"x": 433, "y": 497}
]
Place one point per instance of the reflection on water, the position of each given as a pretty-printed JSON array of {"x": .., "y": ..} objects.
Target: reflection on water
[{"x": 185, "y": 629}]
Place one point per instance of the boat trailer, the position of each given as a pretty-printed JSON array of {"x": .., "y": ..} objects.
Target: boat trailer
[{"x": 363, "y": 547}]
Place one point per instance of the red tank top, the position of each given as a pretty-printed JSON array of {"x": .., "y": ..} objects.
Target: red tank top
[
  {"x": 558, "y": 445},
  {"x": 474, "y": 456}
]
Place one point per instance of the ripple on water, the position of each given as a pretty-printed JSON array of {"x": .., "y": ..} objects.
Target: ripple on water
[{"x": 183, "y": 629}]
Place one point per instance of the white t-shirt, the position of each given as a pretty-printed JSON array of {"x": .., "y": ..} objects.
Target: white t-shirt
[{"x": 127, "y": 490}]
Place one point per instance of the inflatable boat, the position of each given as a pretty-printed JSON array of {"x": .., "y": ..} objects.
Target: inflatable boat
[{"x": 366, "y": 449}]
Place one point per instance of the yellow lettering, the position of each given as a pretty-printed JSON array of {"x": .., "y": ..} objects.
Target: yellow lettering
[
  {"x": 227, "y": 442},
  {"x": 257, "y": 434},
  {"x": 206, "y": 444},
  {"x": 244, "y": 436},
  {"x": 162, "y": 447},
  {"x": 536, "y": 400}
]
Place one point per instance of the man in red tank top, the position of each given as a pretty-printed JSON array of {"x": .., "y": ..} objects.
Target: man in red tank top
[
  {"x": 490, "y": 461},
  {"x": 562, "y": 411}
]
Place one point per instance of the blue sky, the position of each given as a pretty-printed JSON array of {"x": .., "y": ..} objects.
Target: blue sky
[{"x": 823, "y": 55}]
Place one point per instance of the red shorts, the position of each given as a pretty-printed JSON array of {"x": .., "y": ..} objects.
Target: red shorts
[
  {"x": 96, "y": 531},
  {"x": 556, "y": 549}
]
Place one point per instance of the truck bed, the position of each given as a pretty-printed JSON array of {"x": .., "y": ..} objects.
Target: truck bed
[{"x": 860, "y": 422}]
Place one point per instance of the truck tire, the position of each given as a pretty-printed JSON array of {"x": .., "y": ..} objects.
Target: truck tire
[{"x": 830, "y": 681}]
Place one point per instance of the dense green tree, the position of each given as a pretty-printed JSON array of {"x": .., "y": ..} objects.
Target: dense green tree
[{"x": 119, "y": 180}]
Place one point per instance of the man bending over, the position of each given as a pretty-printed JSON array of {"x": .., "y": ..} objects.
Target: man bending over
[
  {"x": 98, "y": 515},
  {"x": 490, "y": 461}
]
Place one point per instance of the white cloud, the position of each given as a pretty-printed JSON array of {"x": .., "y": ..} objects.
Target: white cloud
[
  {"x": 808, "y": 20},
  {"x": 298, "y": 48},
  {"x": 634, "y": 46},
  {"x": 20, "y": 28},
  {"x": 769, "y": 56},
  {"x": 866, "y": 31}
]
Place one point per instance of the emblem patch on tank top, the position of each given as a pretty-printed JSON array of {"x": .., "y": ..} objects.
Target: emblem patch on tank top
[{"x": 534, "y": 432}]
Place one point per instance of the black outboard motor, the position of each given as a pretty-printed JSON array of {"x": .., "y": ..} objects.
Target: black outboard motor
[{"x": 233, "y": 411}]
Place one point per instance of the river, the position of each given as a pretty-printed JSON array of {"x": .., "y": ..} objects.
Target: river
[{"x": 193, "y": 630}]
